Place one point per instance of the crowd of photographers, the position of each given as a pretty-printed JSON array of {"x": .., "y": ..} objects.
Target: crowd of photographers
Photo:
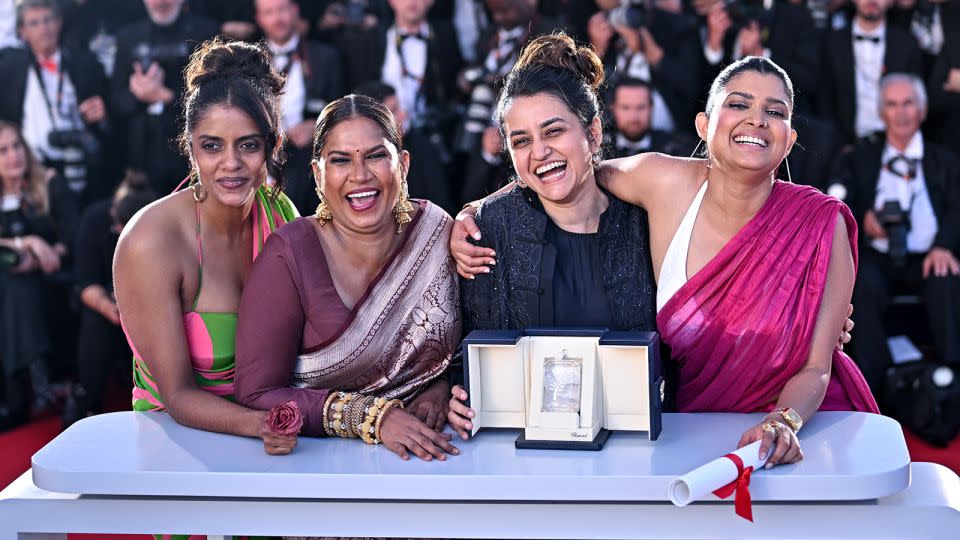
[{"x": 90, "y": 108}]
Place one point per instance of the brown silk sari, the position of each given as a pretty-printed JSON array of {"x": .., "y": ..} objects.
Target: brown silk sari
[{"x": 405, "y": 328}]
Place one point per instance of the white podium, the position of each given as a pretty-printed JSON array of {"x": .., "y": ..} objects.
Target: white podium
[{"x": 143, "y": 473}]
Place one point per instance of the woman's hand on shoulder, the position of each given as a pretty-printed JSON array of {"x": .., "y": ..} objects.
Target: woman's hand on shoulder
[
  {"x": 471, "y": 260},
  {"x": 459, "y": 414},
  {"x": 403, "y": 434},
  {"x": 431, "y": 407},
  {"x": 777, "y": 439}
]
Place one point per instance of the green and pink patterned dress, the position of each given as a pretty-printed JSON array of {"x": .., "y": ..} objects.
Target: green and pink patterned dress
[{"x": 211, "y": 337}]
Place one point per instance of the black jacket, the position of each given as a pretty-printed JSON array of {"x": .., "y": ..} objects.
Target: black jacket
[
  {"x": 80, "y": 65},
  {"x": 517, "y": 294},
  {"x": 860, "y": 171},
  {"x": 837, "y": 91}
]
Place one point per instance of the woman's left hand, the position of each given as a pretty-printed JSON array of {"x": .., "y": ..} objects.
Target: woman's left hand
[
  {"x": 432, "y": 404},
  {"x": 778, "y": 438},
  {"x": 847, "y": 328}
]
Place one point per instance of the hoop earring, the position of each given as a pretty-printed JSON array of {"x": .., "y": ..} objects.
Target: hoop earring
[
  {"x": 199, "y": 194},
  {"x": 403, "y": 208},
  {"x": 323, "y": 211}
]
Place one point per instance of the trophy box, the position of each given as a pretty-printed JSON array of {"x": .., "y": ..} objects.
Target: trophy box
[{"x": 566, "y": 388}]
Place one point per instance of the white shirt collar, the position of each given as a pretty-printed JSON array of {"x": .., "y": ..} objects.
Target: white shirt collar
[
  {"x": 914, "y": 149},
  {"x": 643, "y": 144},
  {"x": 287, "y": 48},
  {"x": 880, "y": 31},
  {"x": 513, "y": 33},
  {"x": 424, "y": 29}
]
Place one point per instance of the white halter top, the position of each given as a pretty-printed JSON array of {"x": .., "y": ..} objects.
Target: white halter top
[{"x": 673, "y": 273}]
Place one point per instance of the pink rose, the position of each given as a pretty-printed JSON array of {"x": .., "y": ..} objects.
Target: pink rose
[{"x": 285, "y": 419}]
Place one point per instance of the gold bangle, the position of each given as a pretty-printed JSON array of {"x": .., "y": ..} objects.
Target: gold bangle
[
  {"x": 358, "y": 409},
  {"x": 382, "y": 413},
  {"x": 339, "y": 423},
  {"x": 326, "y": 415},
  {"x": 367, "y": 429}
]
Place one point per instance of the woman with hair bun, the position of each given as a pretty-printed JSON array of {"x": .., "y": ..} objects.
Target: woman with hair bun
[
  {"x": 181, "y": 262},
  {"x": 569, "y": 253},
  {"x": 753, "y": 274}
]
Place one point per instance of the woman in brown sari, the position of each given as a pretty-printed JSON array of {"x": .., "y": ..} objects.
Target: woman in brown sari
[{"x": 364, "y": 312}]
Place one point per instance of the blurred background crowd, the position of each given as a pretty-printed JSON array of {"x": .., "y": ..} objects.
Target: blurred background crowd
[{"x": 90, "y": 109}]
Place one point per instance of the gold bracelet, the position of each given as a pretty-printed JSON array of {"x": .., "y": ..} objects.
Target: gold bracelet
[
  {"x": 326, "y": 415},
  {"x": 367, "y": 429},
  {"x": 382, "y": 413},
  {"x": 339, "y": 423},
  {"x": 357, "y": 410}
]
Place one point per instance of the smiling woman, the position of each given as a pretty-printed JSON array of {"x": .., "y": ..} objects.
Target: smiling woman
[
  {"x": 181, "y": 262},
  {"x": 366, "y": 316},
  {"x": 754, "y": 274}
]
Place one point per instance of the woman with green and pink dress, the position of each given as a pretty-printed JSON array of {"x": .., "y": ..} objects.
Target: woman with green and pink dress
[{"x": 181, "y": 263}]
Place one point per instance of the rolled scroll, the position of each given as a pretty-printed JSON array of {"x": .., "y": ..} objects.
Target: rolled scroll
[{"x": 722, "y": 476}]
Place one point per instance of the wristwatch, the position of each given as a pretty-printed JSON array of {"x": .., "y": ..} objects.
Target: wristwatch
[{"x": 791, "y": 418}]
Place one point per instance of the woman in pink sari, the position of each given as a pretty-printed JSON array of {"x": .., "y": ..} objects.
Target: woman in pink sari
[{"x": 754, "y": 274}]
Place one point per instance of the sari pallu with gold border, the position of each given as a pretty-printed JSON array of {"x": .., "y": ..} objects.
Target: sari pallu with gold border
[
  {"x": 404, "y": 330},
  {"x": 743, "y": 325}
]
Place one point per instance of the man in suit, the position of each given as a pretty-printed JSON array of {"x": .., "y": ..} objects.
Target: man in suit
[
  {"x": 53, "y": 89},
  {"x": 854, "y": 59},
  {"x": 904, "y": 171},
  {"x": 147, "y": 84},
  {"x": 418, "y": 57},
  {"x": 632, "y": 107},
  {"x": 314, "y": 78}
]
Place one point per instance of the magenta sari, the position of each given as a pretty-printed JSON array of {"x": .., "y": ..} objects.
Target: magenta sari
[{"x": 743, "y": 325}]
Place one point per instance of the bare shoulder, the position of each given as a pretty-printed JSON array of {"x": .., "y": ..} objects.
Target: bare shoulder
[
  {"x": 640, "y": 179},
  {"x": 156, "y": 232}
]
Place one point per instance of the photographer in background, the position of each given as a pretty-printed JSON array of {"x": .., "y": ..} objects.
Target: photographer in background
[
  {"x": 631, "y": 109},
  {"x": 101, "y": 344},
  {"x": 905, "y": 192},
  {"x": 313, "y": 79},
  {"x": 147, "y": 84},
  {"x": 515, "y": 22},
  {"x": 640, "y": 40},
  {"x": 776, "y": 29},
  {"x": 56, "y": 94}
]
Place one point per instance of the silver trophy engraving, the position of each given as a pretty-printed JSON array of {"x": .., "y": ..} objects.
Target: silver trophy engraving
[{"x": 561, "y": 383}]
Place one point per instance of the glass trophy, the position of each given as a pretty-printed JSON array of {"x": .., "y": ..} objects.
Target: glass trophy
[{"x": 561, "y": 383}]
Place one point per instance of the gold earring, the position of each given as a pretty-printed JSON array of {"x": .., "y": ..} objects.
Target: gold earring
[
  {"x": 323, "y": 211},
  {"x": 403, "y": 208},
  {"x": 199, "y": 194}
]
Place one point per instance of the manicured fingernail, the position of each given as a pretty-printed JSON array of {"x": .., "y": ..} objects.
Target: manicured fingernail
[
  {"x": 486, "y": 270},
  {"x": 493, "y": 253},
  {"x": 469, "y": 425},
  {"x": 492, "y": 262},
  {"x": 469, "y": 413},
  {"x": 768, "y": 465},
  {"x": 476, "y": 236}
]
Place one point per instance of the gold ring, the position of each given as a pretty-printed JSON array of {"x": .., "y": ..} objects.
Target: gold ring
[{"x": 774, "y": 426}]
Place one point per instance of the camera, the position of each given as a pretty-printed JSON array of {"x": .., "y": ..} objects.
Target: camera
[
  {"x": 161, "y": 53},
  {"x": 74, "y": 138},
  {"x": 479, "y": 111},
  {"x": 81, "y": 150},
  {"x": 433, "y": 122},
  {"x": 9, "y": 257},
  {"x": 896, "y": 221},
  {"x": 631, "y": 15},
  {"x": 742, "y": 12}
]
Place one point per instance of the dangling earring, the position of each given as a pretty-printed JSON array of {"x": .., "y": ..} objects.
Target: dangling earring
[
  {"x": 520, "y": 183},
  {"x": 786, "y": 161},
  {"x": 323, "y": 211},
  {"x": 403, "y": 208},
  {"x": 199, "y": 194}
]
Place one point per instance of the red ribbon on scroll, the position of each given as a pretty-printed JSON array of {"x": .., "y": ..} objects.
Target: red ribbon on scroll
[{"x": 741, "y": 487}]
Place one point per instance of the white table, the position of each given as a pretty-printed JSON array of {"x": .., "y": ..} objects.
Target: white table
[{"x": 143, "y": 473}]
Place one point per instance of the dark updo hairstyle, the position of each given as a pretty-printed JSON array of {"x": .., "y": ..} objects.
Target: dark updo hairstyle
[
  {"x": 758, "y": 64},
  {"x": 241, "y": 75},
  {"x": 555, "y": 65},
  {"x": 355, "y": 106}
]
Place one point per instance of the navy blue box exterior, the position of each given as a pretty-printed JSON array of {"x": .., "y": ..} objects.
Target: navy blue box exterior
[{"x": 651, "y": 340}]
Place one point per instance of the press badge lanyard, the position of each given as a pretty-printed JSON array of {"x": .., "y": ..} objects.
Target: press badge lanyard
[{"x": 43, "y": 89}]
